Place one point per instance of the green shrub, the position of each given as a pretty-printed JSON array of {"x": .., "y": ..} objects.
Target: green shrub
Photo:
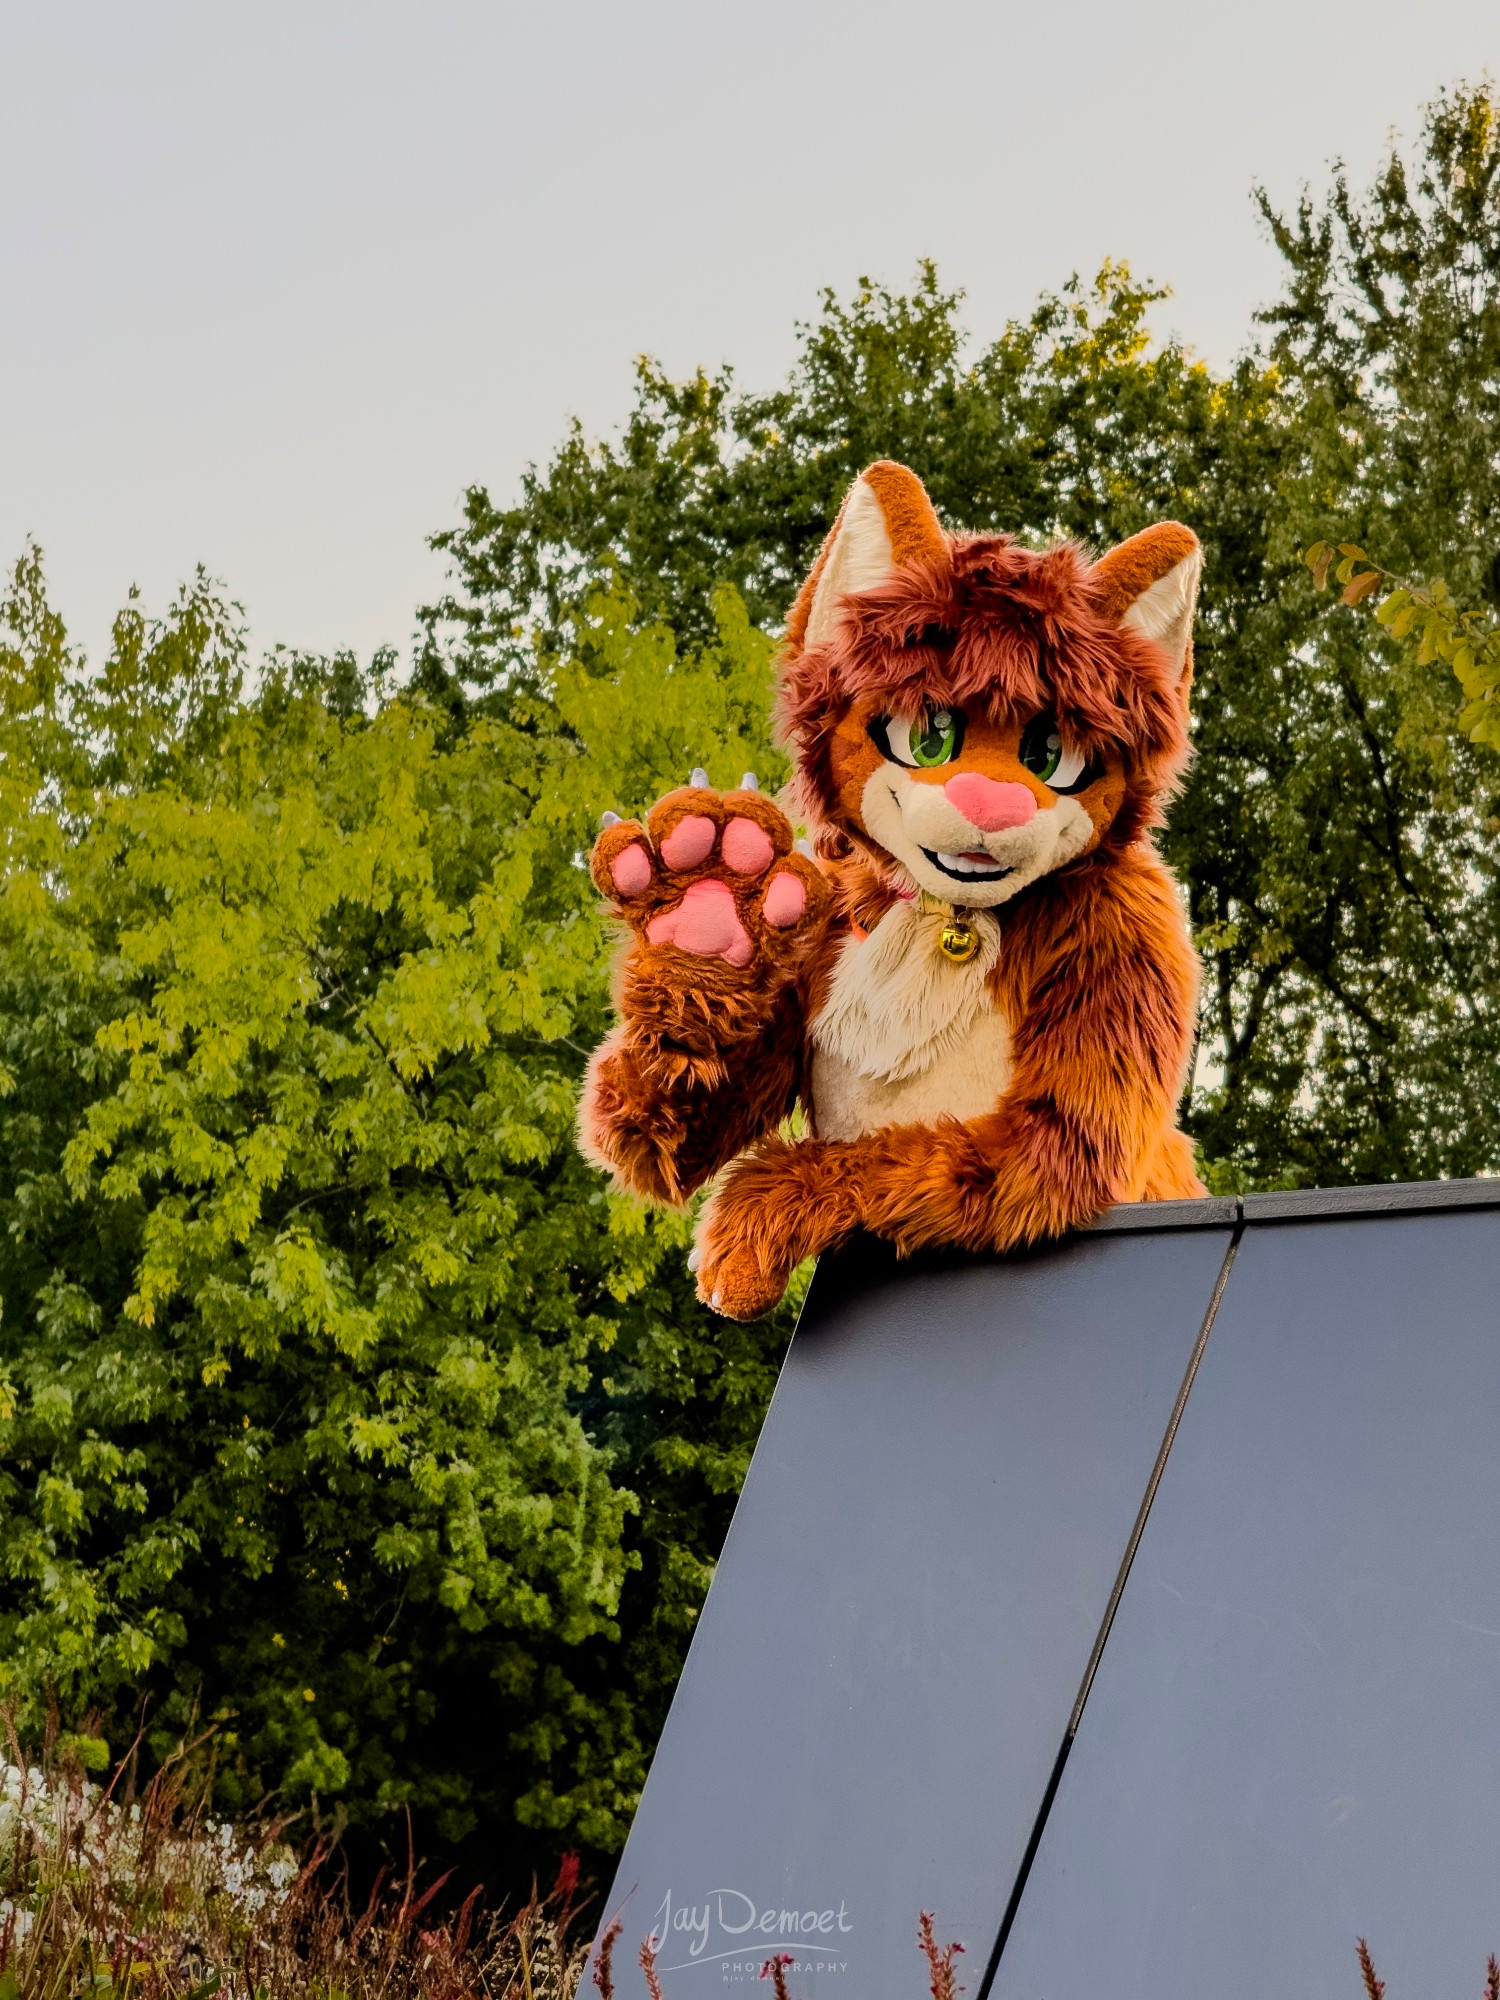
[{"x": 340, "y": 1405}]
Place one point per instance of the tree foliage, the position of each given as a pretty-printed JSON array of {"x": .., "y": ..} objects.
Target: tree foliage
[
  {"x": 1464, "y": 638},
  {"x": 339, "y": 1404},
  {"x": 1387, "y": 339}
]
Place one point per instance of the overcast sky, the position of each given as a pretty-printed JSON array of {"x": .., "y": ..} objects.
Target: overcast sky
[{"x": 277, "y": 281}]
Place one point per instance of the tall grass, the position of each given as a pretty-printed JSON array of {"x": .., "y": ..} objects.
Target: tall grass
[{"x": 120, "y": 1896}]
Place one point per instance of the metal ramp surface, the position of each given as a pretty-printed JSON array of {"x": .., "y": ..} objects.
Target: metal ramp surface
[{"x": 1134, "y": 1606}]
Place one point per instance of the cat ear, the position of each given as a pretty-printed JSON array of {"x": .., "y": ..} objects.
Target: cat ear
[
  {"x": 886, "y": 522},
  {"x": 1150, "y": 585}
]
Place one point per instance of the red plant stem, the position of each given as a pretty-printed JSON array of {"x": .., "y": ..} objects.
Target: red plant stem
[
  {"x": 1373, "y": 1987},
  {"x": 774, "y": 1970},
  {"x": 649, "y": 1950},
  {"x": 940, "y": 1977},
  {"x": 603, "y": 1973}
]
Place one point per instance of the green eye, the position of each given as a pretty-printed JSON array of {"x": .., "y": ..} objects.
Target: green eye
[
  {"x": 1046, "y": 757},
  {"x": 933, "y": 739}
]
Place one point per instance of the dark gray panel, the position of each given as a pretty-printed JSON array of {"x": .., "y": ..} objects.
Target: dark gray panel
[
  {"x": 885, "y": 1668},
  {"x": 1294, "y": 1733}
]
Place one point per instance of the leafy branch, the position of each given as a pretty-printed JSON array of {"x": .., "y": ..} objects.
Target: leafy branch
[{"x": 1464, "y": 639}]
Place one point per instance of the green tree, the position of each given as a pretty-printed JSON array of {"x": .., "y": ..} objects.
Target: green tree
[
  {"x": 1386, "y": 341},
  {"x": 339, "y": 1404}
]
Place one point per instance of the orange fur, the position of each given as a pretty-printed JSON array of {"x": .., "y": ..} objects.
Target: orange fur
[{"x": 1096, "y": 980}]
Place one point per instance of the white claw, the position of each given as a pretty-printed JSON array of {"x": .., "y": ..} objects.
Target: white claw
[
  {"x": 803, "y": 846},
  {"x": 695, "y": 1257},
  {"x": 716, "y": 1303},
  {"x": 748, "y": 784},
  {"x": 699, "y": 777},
  {"x": 609, "y": 819}
]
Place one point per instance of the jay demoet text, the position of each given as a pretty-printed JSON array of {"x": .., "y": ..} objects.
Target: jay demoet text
[{"x": 732, "y": 1915}]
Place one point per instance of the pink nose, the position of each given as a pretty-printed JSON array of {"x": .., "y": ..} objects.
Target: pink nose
[{"x": 988, "y": 804}]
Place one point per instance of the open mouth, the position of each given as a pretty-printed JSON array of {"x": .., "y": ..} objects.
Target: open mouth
[{"x": 968, "y": 867}]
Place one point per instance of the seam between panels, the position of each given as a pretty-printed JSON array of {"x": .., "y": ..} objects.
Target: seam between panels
[
  {"x": 1149, "y": 1497},
  {"x": 1142, "y": 1515}
]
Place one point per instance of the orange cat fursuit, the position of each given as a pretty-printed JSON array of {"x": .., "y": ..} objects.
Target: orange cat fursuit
[{"x": 982, "y": 990}]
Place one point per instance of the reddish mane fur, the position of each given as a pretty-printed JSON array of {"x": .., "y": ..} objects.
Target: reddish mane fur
[{"x": 1028, "y": 631}]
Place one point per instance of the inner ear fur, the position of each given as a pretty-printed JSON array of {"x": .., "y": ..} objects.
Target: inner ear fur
[
  {"x": 1150, "y": 585},
  {"x": 886, "y": 523}
]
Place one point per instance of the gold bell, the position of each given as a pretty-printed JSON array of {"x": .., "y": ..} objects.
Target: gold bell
[{"x": 959, "y": 940}]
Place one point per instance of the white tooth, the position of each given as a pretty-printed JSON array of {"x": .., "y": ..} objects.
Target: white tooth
[{"x": 961, "y": 864}]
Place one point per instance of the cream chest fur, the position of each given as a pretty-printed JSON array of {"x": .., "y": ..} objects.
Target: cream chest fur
[{"x": 907, "y": 1036}]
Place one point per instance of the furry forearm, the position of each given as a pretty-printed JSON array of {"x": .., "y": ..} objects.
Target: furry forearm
[{"x": 1033, "y": 1169}]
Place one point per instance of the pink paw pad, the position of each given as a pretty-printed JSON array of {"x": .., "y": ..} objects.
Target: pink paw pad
[
  {"x": 747, "y": 847},
  {"x": 706, "y": 923},
  {"x": 689, "y": 842},
  {"x": 786, "y": 899},
  {"x": 630, "y": 870}
]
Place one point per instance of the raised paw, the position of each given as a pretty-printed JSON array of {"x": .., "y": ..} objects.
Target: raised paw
[{"x": 714, "y": 876}]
